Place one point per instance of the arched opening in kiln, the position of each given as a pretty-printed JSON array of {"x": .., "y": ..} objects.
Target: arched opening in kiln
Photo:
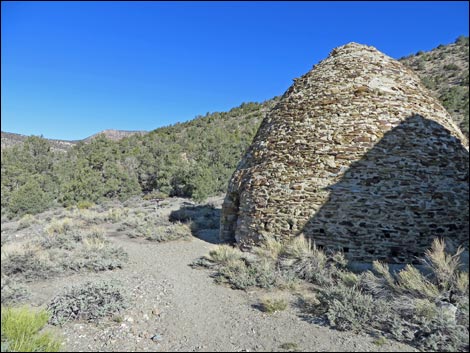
[{"x": 230, "y": 217}]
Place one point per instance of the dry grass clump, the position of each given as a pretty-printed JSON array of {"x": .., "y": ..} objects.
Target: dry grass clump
[
  {"x": 59, "y": 226},
  {"x": 302, "y": 257},
  {"x": 428, "y": 309},
  {"x": 91, "y": 216},
  {"x": 116, "y": 214},
  {"x": 84, "y": 204},
  {"x": 272, "y": 305},
  {"x": 27, "y": 262},
  {"x": 290, "y": 347},
  {"x": 272, "y": 265},
  {"x": 152, "y": 227},
  {"x": 225, "y": 255},
  {"x": 56, "y": 253},
  {"x": 169, "y": 232},
  {"x": 26, "y": 221}
]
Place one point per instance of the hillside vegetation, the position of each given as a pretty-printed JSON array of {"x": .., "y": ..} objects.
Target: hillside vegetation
[
  {"x": 444, "y": 70},
  {"x": 193, "y": 159}
]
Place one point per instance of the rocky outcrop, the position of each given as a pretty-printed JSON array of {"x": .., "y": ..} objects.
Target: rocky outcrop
[
  {"x": 115, "y": 135},
  {"x": 358, "y": 156}
]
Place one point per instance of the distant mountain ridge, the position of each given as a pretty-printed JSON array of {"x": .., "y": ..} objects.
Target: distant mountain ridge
[
  {"x": 443, "y": 70},
  {"x": 115, "y": 135},
  {"x": 10, "y": 138}
]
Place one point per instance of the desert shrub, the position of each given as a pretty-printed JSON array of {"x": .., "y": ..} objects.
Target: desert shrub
[
  {"x": 172, "y": 232},
  {"x": 149, "y": 226},
  {"x": 155, "y": 195},
  {"x": 65, "y": 241},
  {"x": 290, "y": 347},
  {"x": 270, "y": 248},
  {"x": 271, "y": 305},
  {"x": 84, "y": 204},
  {"x": 237, "y": 274},
  {"x": 350, "y": 309},
  {"x": 12, "y": 292},
  {"x": 233, "y": 267},
  {"x": 432, "y": 309},
  {"x": 451, "y": 67},
  {"x": 115, "y": 214},
  {"x": 59, "y": 226},
  {"x": 97, "y": 259},
  {"x": 429, "y": 82},
  {"x": 90, "y": 216},
  {"x": 347, "y": 278},
  {"x": 225, "y": 254},
  {"x": 49, "y": 256},
  {"x": 306, "y": 260},
  {"x": 90, "y": 302},
  {"x": 308, "y": 303},
  {"x": 445, "y": 268},
  {"x": 272, "y": 265},
  {"x": 21, "y": 331},
  {"x": 29, "y": 265},
  {"x": 26, "y": 221}
]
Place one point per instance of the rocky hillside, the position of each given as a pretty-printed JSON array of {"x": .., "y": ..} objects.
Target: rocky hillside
[
  {"x": 115, "y": 135},
  {"x": 444, "y": 70},
  {"x": 10, "y": 139}
]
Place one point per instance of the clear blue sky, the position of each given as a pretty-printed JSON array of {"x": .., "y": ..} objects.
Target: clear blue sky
[{"x": 71, "y": 69}]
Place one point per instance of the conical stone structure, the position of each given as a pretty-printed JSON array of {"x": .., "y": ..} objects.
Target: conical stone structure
[{"x": 357, "y": 156}]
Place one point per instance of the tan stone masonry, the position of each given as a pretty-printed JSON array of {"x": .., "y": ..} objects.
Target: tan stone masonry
[{"x": 358, "y": 156}]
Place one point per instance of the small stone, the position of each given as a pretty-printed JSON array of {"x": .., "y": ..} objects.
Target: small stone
[{"x": 157, "y": 338}]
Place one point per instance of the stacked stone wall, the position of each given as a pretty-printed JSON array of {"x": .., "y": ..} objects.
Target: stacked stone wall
[{"x": 358, "y": 156}]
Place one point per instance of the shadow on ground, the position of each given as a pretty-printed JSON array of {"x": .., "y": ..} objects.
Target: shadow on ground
[{"x": 204, "y": 221}]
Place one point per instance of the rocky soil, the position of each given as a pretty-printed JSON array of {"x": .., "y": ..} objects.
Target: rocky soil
[{"x": 174, "y": 307}]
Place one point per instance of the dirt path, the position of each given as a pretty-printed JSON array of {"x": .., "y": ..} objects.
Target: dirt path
[{"x": 184, "y": 310}]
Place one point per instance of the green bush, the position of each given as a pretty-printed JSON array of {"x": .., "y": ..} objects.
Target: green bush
[
  {"x": 21, "y": 331},
  {"x": 29, "y": 198}
]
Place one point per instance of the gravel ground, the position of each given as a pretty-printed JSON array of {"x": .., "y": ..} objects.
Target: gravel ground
[{"x": 174, "y": 307}]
